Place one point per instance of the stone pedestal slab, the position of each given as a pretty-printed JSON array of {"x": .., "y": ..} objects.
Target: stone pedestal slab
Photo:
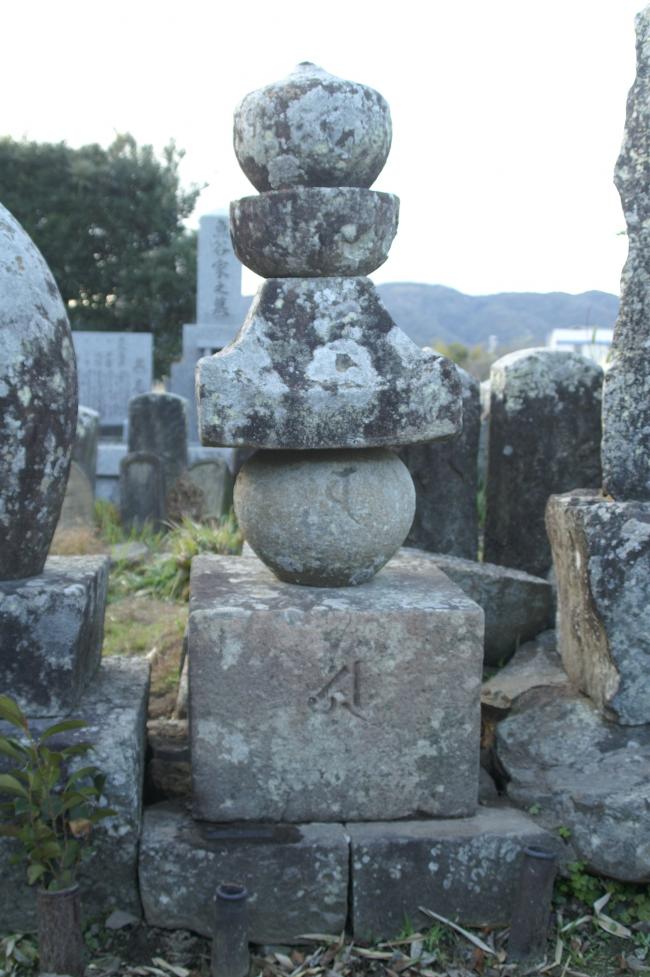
[
  {"x": 466, "y": 870},
  {"x": 115, "y": 710},
  {"x": 296, "y": 875},
  {"x": 51, "y": 631},
  {"x": 601, "y": 552},
  {"x": 327, "y": 704}
]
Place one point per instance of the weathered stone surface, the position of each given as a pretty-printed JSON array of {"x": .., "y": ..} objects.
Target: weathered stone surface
[
  {"x": 319, "y": 363},
  {"x": 626, "y": 394},
  {"x": 446, "y": 482},
  {"x": 601, "y": 551},
  {"x": 158, "y": 425},
  {"x": 312, "y": 129},
  {"x": 115, "y": 709},
  {"x": 142, "y": 490},
  {"x": 168, "y": 773},
  {"x": 296, "y": 875},
  {"x": 215, "y": 482},
  {"x": 536, "y": 664},
  {"x": 467, "y": 869},
  {"x": 517, "y": 606},
  {"x": 78, "y": 509},
  {"x": 84, "y": 450},
  {"x": 51, "y": 631},
  {"x": 366, "y": 699},
  {"x": 544, "y": 438},
  {"x": 325, "y": 518},
  {"x": 38, "y": 403},
  {"x": 309, "y": 231},
  {"x": 583, "y": 773}
]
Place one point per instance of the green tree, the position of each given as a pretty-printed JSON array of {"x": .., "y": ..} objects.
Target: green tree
[{"x": 109, "y": 222}]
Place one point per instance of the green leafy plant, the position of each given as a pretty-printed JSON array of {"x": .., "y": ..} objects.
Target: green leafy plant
[{"x": 52, "y": 809}]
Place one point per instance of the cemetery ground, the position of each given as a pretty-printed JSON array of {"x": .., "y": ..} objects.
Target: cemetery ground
[{"x": 598, "y": 927}]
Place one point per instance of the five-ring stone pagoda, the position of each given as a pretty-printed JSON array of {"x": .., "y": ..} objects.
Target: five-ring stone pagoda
[{"x": 334, "y": 705}]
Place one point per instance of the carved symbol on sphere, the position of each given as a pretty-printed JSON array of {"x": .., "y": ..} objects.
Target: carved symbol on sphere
[{"x": 342, "y": 691}]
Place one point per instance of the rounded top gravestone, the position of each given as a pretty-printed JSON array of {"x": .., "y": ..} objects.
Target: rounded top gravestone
[
  {"x": 38, "y": 403},
  {"x": 312, "y": 129}
]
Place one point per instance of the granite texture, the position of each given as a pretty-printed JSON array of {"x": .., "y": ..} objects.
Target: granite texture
[
  {"x": 142, "y": 490},
  {"x": 544, "y": 438},
  {"x": 312, "y": 129},
  {"x": 445, "y": 476},
  {"x": 115, "y": 709},
  {"x": 158, "y": 425},
  {"x": 51, "y": 632},
  {"x": 517, "y": 606},
  {"x": 626, "y": 393},
  {"x": 601, "y": 552},
  {"x": 324, "y": 704},
  {"x": 466, "y": 870},
  {"x": 319, "y": 363},
  {"x": 536, "y": 664},
  {"x": 583, "y": 773},
  {"x": 314, "y": 231},
  {"x": 325, "y": 518},
  {"x": 38, "y": 403},
  {"x": 296, "y": 875}
]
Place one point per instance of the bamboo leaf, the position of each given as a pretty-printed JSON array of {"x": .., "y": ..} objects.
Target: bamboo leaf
[
  {"x": 10, "y": 711},
  {"x": 34, "y": 872},
  {"x": 9, "y": 785},
  {"x": 63, "y": 727}
]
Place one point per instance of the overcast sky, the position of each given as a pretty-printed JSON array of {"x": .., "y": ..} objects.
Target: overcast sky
[{"x": 507, "y": 114}]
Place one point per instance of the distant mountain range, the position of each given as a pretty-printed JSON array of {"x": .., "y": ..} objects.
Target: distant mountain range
[{"x": 428, "y": 312}]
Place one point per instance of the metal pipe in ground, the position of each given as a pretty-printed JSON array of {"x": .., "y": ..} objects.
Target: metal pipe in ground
[
  {"x": 230, "y": 953},
  {"x": 532, "y": 906}
]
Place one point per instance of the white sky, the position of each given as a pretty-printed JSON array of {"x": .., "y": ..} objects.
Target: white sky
[{"x": 507, "y": 114}]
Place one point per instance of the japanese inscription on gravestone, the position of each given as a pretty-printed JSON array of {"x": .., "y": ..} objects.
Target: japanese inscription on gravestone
[
  {"x": 219, "y": 275},
  {"x": 113, "y": 367}
]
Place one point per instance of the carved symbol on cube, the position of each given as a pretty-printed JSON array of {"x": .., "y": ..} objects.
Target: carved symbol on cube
[{"x": 343, "y": 690}]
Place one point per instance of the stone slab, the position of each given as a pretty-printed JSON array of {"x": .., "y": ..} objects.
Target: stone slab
[
  {"x": 113, "y": 367},
  {"x": 544, "y": 438},
  {"x": 214, "y": 479},
  {"x": 445, "y": 475},
  {"x": 536, "y": 664},
  {"x": 115, "y": 710},
  {"x": 218, "y": 272},
  {"x": 84, "y": 450},
  {"x": 158, "y": 425},
  {"x": 626, "y": 393},
  {"x": 517, "y": 606},
  {"x": 601, "y": 552},
  {"x": 51, "y": 632},
  {"x": 325, "y": 704},
  {"x": 466, "y": 870},
  {"x": 78, "y": 509},
  {"x": 297, "y": 875},
  {"x": 319, "y": 363},
  {"x": 583, "y": 773},
  {"x": 142, "y": 490}
]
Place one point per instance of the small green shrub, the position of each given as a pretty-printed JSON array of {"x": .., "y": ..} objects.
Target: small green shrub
[{"x": 52, "y": 811}]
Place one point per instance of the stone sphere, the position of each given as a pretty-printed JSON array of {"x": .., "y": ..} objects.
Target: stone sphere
[
  {"x": 312, "y": 129},
  {"x": 310, "y": 232},
  {"x": 325, "y": 518},
  {"x": 38, "y": 403}
]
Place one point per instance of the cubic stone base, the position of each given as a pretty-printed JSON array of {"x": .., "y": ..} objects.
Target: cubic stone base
[
  {"x": 296, "y": 875},
  {"x": 51, "y": 631},
  {"x": 601, "y": 551},
  {"x": 328, "y": 704},
  {"x": 115, "y": 710},
  {"x": 466, "y": 870}
]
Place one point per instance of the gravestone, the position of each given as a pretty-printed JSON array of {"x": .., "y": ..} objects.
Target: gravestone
[
  {"x": 445, "y": 475},
  {"x": 113, "y": 367},
  {"x": 78, "y": 509},
  {"x": 84, "y": 450},
  {"x": 158, "y": 425},
  {"x": 219, "y": 309},
  {"x": 544, "y": 437},
  {"x": 214, "y": 480},
  {"x": 142, "y": 490}
]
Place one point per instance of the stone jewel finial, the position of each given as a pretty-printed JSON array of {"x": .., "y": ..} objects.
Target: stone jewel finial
[{"x": 320, "y": 377}]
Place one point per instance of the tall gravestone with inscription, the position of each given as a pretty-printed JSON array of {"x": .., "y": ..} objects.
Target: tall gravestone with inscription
[
  {"x": 113, "y": 367},
  {"x": 330, "y": 681},
  {"x": 52, "y": 608},
  {"x": 219, "y": 307}
]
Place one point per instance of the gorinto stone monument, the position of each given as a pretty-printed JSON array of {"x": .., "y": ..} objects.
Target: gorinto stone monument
[{"x": 330, "y": 680}]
